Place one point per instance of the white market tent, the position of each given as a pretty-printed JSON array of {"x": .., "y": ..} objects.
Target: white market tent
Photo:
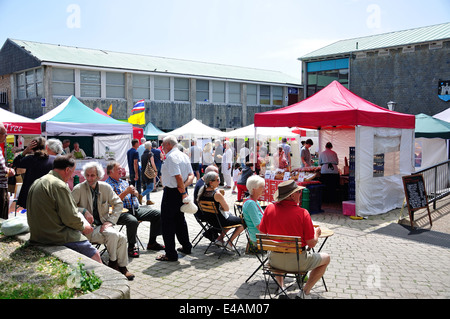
[
  {"x": 193, "y": 129},
  {"x": 249, "y": 131},
  {"x": 444, "y": 115}
]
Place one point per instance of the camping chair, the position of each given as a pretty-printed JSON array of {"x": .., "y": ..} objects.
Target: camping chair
[
  {"x": 209, "y": 207},
  {"x": 283, "y": 244}
]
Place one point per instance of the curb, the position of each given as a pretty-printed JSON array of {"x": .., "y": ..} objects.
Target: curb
[{"x": 114, "y": 284}]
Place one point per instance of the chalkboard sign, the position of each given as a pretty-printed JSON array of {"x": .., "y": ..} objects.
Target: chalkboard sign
[{"x": 416, "y": 195}]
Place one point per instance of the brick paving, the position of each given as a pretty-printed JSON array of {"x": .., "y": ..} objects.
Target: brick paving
[{"x": 364, "y": 264}]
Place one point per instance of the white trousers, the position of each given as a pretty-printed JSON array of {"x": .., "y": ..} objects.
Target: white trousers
[{"x": 115, "y": 242}]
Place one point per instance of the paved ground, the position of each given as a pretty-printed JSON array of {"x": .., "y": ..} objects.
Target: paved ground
[{"x": 364, "y": 264}]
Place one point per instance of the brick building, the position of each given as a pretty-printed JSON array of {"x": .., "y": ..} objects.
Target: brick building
[
  {"x": 405, "y": 67},
  {"x": 174, "y": 90}
]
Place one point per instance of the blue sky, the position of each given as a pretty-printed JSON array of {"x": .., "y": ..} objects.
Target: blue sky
[{"x": 266, "y": 34}]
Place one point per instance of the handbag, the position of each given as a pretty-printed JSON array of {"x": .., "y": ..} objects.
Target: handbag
[{"x": 150, "y": 171}]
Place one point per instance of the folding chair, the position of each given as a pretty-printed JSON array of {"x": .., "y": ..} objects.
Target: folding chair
[
  {"x": 283, "y": 244},
  {"x": 205, "y": 228},
  {"x": 209, "y": 207},
  {"x": 97, "y": 246},
  {"x": 137, "y": 237}
]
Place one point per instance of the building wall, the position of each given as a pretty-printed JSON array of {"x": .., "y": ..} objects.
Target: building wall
[{"x": 408, "y": 78}]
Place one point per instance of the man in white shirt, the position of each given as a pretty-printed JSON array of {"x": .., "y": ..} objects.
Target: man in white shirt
[{"x": 176, "y": 175}]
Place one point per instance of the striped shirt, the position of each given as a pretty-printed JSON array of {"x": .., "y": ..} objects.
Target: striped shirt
[{"x": 3, "y": 171}]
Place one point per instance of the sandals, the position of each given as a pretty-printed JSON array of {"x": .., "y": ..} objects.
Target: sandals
[{"x": 165, "y": 258}]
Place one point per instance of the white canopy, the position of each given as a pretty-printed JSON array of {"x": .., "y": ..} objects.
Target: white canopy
[
  {"x": 444, "y": 115},
  {"x": 193, "y": 129},
  {"x": 249, "y": 131}
]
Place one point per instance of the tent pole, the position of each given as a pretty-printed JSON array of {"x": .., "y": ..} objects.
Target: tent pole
[{"x": 254, "y": 150}]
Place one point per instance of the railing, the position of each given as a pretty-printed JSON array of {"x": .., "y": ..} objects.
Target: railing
[{"x": 437, "y": 181}]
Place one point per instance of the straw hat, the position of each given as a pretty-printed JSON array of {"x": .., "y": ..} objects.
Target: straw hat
[{"x": 285, "y": 189}]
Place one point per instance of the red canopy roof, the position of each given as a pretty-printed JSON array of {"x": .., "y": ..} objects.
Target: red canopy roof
[
  {"x": 334, "y": 105},
  {"x": 19, "y": 125}
]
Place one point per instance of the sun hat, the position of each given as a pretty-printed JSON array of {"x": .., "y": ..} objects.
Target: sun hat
[{"x": 285, "y": 189}]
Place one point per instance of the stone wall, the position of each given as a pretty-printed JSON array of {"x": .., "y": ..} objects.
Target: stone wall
[{"x": 409, "y": 79}]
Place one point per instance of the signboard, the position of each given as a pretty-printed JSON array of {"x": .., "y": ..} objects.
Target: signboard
[{"x": 416, "y": 195}]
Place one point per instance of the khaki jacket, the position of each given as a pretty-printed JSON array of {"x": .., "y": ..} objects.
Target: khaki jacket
[
  {"x": 51, "y": 212},
  {"x": 106, "y": 197}
]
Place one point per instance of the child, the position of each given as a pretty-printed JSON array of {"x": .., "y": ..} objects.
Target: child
[{"x": 236, "y": 172}]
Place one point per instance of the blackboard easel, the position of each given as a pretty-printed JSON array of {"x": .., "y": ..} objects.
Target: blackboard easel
[{"x": 416, "y": 195}]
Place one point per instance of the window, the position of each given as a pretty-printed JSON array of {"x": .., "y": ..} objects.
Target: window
[
  {"x": 63, "y": 82},
  {"x": 21, "y": 92},
  {"x": 115, "y": 85},
  {"x": 181, "y": 89},
  {"x": 234, "y": 93},
  {"x": 90, "y": 83},
  {"x": 264, "y": 94},
  {"x": 141, "y": 87},
  {"x": 277, "y": 95},
  {"x": 162, "y": 88},
  {"x": 29, "y": 84},
  {"x": 252, "y": 91},
  {"x": 202, "y": 91},
  {"x": 218, "y": 92},
  {"x": 322, "y": 73}
]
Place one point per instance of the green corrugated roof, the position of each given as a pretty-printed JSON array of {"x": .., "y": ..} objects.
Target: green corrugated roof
[
  {"x": 115, "y": 60},
  {"x": 385, "y": 40}
]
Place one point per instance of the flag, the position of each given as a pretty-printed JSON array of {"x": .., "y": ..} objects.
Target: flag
[
  {"x": 109, "y": 110},
  {"x": 138, "y": 118},
  {"x": 139, "y": 106}
]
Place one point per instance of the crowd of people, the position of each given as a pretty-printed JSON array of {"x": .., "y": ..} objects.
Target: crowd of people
[{"x": 84, "y": 217}]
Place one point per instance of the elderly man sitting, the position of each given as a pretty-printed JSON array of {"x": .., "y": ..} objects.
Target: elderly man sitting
[
  {"x": 287, "y": 218},
  {"x": 94, "y": 197}
]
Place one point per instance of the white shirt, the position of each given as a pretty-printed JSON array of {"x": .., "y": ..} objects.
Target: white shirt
[{"x": 176, "y": 163}]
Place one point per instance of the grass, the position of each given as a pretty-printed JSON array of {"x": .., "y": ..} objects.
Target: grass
[{"x": 29, "y": 273}]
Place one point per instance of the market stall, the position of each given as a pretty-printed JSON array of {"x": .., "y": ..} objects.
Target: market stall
[
  {"x": 383, "y": 141},
  {"x": 431, "y": 140},
  {"x": 74, "y": 119}
]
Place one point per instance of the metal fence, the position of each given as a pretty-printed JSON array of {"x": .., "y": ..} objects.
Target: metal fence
[{"x": 437, "y": 181}]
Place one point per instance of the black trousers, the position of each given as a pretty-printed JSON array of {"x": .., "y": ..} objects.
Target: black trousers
[{"x": 173, "y": 222}]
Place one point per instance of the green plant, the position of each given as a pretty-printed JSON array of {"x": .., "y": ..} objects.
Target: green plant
[{"x": 83, "y": 281}]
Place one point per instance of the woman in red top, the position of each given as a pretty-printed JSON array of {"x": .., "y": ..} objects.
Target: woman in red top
[{"x": 287, "y": 218}]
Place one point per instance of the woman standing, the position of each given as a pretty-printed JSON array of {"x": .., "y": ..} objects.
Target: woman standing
[
  {"x": 227, "y": 162},
  {"x": 149, "y": 183}
]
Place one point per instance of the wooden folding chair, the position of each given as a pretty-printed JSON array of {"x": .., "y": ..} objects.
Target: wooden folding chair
[
  {"x": 205, "y": 227},
  {"x": 282, "y": 244},
  {"x": 209, "y": 207},
  {"x": 261, "y": 258}
]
